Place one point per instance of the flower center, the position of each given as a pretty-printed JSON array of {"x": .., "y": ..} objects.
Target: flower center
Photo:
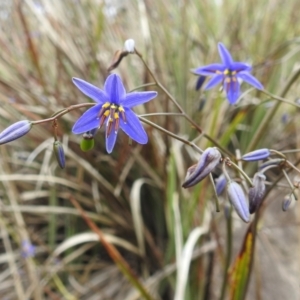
[{"x": 111, "y": 112}]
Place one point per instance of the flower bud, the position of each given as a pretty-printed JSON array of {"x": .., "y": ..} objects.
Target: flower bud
[
  {"x": 15, "y": 131},
  {"x": 238, "y": 200},
  {"x": 200, "y": 82},
  {"x": 220, "y": 184},
  {"x": 208, "y": 161},
  {"x": 272, "y": 162},
  {"x": 286, "y": 203},
  {"x": 256, "y": 193},
  {"x": 59, "y": 153},
  {"x": 129, "y": 46},
  {"x": 256, "y": 155}
]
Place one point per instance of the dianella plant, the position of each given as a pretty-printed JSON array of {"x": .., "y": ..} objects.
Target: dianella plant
[{"x": 149, "y": 150}]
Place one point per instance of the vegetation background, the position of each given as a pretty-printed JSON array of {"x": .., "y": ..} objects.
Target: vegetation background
[{"x": 172, "y": 239}]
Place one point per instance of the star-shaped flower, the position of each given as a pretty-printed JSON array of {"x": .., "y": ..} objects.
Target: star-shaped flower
[
  {"x": 228, "y": 73},
  {"x": 113, "y": 109}
]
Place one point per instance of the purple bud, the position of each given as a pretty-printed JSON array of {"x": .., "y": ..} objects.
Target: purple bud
[
  {"x": 200, "y": 82},
  {"x": 286, "y": 202},
  {"x": 238, "y": 200},
  {"x": 27, "y": 249},
  {"x": 208, "y": 161},
  {"x": 220, "y": 184},
  {"x": 15, "y": 131},
  {"x": 59, "y": 153},
  {"x": 256, "y": 155},
  {"x": 257, "y": 192}
]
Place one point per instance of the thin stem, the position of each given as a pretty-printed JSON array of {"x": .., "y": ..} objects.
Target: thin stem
[
  {"x": 230, "y": 163},
  {"x": 215, "y": 193},
  {"x": 290, "y": 183},
  {"x": 63, "y": 112},
  {"x": 186, "y": 116},
  {"x": 278, "y": 153},
  {"x": 143, "y": 85},
  {"x": 280, "y": 98},
  {"x": 171, "y": 134},
  {"x": 292, "y": 166},
  {"x": 228, "y": 254},
  {"x": 269, "y": 115},
  {"x": 162, "y": 114}
]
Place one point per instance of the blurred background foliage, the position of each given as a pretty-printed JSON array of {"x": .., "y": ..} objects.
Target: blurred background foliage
[{"x": 134, "y": 195}]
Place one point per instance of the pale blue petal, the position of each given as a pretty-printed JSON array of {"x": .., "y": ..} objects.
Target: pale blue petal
[
  {"x": 225, "y": 55},
  {"x": 136, "y": 98},
  {"x": 90, "y": 90},
  {"x": 114, "y": 88},
  {"x": 88, "y": 121},
  {"x": 209, "y": 69},
  {"x": 232, "y": 90},
  {"x": 111, "y": 139},
  {"x": 133, "y": 127},
  {"x": 239, "y": 67},
  {"x": 251, "y": 80},
  {"x": 214, "y": 81}
]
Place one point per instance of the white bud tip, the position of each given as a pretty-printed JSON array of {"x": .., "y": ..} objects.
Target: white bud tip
[{"x": 129, "y": 45}]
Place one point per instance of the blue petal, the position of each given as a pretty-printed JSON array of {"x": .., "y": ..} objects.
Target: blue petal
[
  {"x": 90, "y": 90},
  {"x": 239, "y": 67},
  {"x": 133, "y": 99},
  {"x": 88, "y": 121},
  {"x": 209, "y": 69},
  {"x": 225, "y": 55},
  {"x": 251, "y": 80},
  {"x": 111, "y": 139},
  {"x": 214, "y": 81},
  {"x": 232, "y": 90},
  {"x": 115, "y": 89},
  {"x": 133, "y": 127}
]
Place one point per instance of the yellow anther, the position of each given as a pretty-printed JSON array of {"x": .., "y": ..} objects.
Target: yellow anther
[
  {"x": 106, "y": 104},
  {"x": 226, "y": 72},
  {"x": 106, "y": 113},
  {"x": 233, "y": 73},
  {"x": 113, "y": 106},
  {"x": 228, "y": 79},
  {"x": 116, "y": 115},
  {"x": 234, "y": 79},
  {"x": 121, "y": 109}
]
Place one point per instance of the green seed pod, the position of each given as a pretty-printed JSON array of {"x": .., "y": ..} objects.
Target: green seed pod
[{"x": 87, "y": 144}]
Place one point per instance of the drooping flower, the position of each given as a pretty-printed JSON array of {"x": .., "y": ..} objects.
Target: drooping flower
[
  {"x": 59, "y": 153},
  {"x": 209, "y": 159},
  {"x": 238, "y": 200},
  {"x": 228, "y": 72},
  {"x": 257, "y": 192},
  {"x": 113, "y": 109}
]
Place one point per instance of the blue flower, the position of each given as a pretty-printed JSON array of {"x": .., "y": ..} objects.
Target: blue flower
[
  {"x": 27, "y": 249},
  {"x": 228, "y": 73},
  {"x": 113, "y": 109}
]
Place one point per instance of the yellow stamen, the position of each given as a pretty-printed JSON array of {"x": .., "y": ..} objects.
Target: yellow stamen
[{"x": 226, "y": 72}]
